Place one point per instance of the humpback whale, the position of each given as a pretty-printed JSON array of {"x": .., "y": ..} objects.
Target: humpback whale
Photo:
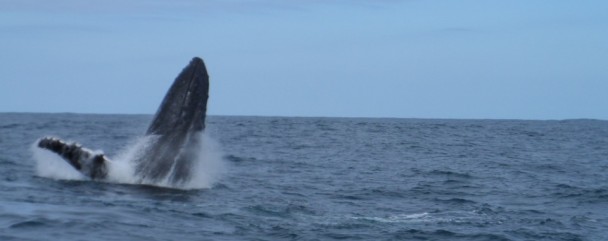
[{"x": 174, "y": 134}]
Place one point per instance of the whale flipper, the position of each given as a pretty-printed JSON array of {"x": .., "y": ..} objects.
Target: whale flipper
[{"x": 82, "y": 159}]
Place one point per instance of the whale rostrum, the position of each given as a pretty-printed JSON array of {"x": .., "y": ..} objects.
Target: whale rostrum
[{"x": 174, "y": 134}]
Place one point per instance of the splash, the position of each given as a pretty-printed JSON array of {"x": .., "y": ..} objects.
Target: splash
[
  {"x": 209, "y": 166},
  {"x": 206, "y": 170}
]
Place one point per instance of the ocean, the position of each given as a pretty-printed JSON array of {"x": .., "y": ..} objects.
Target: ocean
[{"x": 280, "y": 178}]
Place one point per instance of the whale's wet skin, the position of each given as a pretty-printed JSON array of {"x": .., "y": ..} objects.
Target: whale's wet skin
[{"x": 173, "y": 140}]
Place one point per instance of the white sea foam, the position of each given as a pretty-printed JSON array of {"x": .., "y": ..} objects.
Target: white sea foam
[
  {"x": 206, "y": 170},
  {"x": 441, "y": 217},
  {"x": 400, "y": 218}
]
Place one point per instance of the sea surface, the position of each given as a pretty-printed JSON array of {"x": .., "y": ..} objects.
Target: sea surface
[{"x": 322, "y": 179}]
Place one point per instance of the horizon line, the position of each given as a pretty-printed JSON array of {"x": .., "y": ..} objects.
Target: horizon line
[{"x": 315, "y": 116}]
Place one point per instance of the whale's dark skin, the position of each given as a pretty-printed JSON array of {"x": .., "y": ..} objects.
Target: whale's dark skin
[
  {"x": 174, "y": 134},
  {"x": 177, "y": 125}
]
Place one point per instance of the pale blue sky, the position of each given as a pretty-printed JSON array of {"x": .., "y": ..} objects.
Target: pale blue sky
[{"x": 519, "y": 59}]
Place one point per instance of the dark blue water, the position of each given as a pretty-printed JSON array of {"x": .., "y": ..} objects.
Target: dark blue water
[{"x": 324, "y": 179}]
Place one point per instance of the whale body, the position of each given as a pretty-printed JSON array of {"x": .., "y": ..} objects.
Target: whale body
[{"x": 174, "y": 134}]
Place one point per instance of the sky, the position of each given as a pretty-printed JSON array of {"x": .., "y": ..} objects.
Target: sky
[{"x": 466, "y": 59}]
